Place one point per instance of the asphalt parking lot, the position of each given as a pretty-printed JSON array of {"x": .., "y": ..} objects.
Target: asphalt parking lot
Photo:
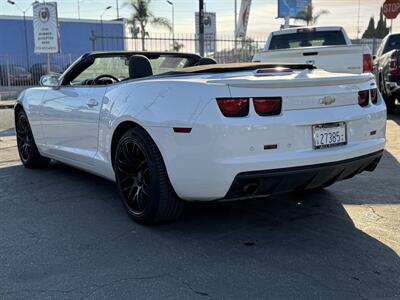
[{"x": 65, "y": 235}]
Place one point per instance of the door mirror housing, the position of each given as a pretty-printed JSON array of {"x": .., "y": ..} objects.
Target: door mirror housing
[{"x": 50, "y": 80}]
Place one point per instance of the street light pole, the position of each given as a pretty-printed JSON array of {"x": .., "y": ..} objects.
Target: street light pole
[
  {"x": 101, "y": 26},
  {"x": 25, "y": 29},
  {"x": 117, "y": 4},
  {"x": 173, "y": 21}
]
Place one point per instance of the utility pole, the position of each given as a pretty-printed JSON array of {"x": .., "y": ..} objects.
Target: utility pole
[
  {"x": 117, "y": 4},
  {"x": 235, "y": 31},
  {"x": 201, "y": 27},
  {"x": 358, "y": 19}
]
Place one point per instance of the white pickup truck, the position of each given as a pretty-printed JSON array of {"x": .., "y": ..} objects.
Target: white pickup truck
[{"x": 328, "y": 48}]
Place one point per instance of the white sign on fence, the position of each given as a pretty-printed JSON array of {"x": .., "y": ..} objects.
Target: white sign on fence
[
  {"x": 210, "y": 32},
  {"x": 45, "y": 27}
]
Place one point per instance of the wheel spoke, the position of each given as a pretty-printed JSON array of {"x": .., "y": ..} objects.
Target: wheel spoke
[
  {"x": 146, "y": 189},
  {"x": 132, "y": 170}
]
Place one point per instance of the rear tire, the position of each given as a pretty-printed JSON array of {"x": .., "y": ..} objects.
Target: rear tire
[
  {"x": 142, "y": 180},
  {"x": 27, "y": 149},
  {"x": 390, "y": 101}
]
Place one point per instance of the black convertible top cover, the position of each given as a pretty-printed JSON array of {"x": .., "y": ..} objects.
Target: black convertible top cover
[{"x": 237, "y": 67}]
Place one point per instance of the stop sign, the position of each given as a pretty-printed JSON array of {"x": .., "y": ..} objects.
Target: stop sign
[{"x": 391, "y": 9}]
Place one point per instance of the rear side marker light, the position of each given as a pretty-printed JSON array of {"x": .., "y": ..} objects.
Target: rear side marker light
[
  {"x": 363, "y": 98},
  {"x": 182, "y": 129},
  {"x": 269, "y": 106},
  {"x": 374, "y": 96},
  {"x": 234, "y": 107},
  {"x": 367, "y": 63}
]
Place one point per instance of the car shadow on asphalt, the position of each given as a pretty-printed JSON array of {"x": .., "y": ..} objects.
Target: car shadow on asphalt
[{"x": 299, "y": 245}]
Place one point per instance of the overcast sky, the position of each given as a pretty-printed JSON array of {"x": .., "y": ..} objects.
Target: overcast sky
[{"x": 262, "y": 16}]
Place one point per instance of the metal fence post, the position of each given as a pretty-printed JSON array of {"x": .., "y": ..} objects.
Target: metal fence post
[{"x": 93, "y": 40}]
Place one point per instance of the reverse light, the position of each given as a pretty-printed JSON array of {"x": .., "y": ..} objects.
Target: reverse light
[
  {"x": 374, "y": 96},
  {"x": 234, "y": 107},
  {"x": 393, "y": 66},
  {"x": 363, "y": 98},
  {"x": 367, "y": 63},
  {"x": 269, "y": 106}
]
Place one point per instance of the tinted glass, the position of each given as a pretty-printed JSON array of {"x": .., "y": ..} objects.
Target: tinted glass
[
  {"x": 307, "y": 39},
  {"x": 392, "y": 43},
  {"x": 118, "y": 66}
]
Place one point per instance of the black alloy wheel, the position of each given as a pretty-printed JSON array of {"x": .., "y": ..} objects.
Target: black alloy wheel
[
  {"x": 142, "y": 179},
  {"x": 27, "y": 150}
]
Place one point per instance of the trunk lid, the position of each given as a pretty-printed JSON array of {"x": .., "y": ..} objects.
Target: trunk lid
[{"x": 300, "y": 90}]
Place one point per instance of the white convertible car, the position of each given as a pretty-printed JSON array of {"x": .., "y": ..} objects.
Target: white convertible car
[{"x": 170, "y": 128}]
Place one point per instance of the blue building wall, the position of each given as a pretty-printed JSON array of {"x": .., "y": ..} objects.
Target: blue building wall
[{"x": 74, "y": 39}]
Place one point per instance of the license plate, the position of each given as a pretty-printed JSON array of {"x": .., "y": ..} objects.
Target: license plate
[{"x": 329, "y": 135}]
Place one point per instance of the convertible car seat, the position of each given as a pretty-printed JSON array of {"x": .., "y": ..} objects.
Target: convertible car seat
[
  {"x": 205, "y": 61},
  {"x": 139, "y": 67}
]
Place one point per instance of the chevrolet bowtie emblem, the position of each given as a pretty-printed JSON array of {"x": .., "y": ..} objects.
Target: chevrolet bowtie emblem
[{"x": 328, "y": 100}]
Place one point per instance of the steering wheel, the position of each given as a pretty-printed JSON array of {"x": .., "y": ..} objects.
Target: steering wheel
[{"x": 104, "y": 76}]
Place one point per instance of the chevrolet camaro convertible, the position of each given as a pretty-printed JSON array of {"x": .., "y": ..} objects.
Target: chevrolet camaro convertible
[{"x": 170, "y": 128}]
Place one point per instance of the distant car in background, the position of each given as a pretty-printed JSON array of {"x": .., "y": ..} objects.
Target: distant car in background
[
  {"x": 14, "y": 75},
  {"x": 386, "y": 70},
  {"x": 40, "y": 69}
]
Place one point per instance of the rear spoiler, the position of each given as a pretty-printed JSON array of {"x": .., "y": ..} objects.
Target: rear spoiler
[{"x": 238, "y": 67}]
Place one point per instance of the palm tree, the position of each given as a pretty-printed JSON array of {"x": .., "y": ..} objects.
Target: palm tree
[
  {"x": 309, "y": 16},
  {"x": 142, "y": 16}
]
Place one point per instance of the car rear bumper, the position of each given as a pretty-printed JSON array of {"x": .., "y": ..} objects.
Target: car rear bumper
[{"x": 258, "y": 183}]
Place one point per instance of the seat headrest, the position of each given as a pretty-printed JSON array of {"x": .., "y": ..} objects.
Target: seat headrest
[
  {"x": 139, "y": 67},
  {"x": 206, "y": 61}
]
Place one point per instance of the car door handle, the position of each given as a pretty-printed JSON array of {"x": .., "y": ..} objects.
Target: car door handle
[{"x": 92, "y": 103}]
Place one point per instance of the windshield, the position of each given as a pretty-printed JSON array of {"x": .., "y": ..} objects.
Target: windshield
[
  {"x": 392, "y": 43},
  {"x": 307, "y": 39},
  {"x": 118, "y": 67}
]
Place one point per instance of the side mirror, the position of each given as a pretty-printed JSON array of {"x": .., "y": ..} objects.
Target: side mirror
[{"x": 50, "y": 80}]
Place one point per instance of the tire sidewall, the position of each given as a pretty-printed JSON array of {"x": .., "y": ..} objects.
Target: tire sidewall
[{"x": 150, "y": 212}]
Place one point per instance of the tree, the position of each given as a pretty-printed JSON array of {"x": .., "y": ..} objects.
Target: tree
[
  {"x": 369, "y": 33},
  {"x": 380, "y": 31},
  {"x": 309, "y": 16},
  {"x": 176, "y": 46},
  {"x": 381, "y": 28},
  {"x": 142, "y": 16}
]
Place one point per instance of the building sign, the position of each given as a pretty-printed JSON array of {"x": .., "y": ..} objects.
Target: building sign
[
  {"x": 243, "y": 19},
  {"x": 45, "y": 27},
  {"x": 291, "y": 8},
  {"x": 210, "y": 32}
]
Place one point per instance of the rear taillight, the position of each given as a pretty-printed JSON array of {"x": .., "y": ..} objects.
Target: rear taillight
[
  {"x": 363, "y": 98},
  {"x": 393, "y": 64},
  {"x": 374, "y": 96},
  {"x": 234, "y": 107},
  {"x": 367, "y": 63},
  {"x": 270, "y": 106}
]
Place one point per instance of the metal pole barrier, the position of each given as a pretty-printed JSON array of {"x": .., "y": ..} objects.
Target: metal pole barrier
[
  {"x": 26, "y": 43},
  {"x": 201, "y": 27}
]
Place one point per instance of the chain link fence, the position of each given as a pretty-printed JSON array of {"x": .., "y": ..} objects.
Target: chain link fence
[
  {"x": 16, "y": 73},
  {"x": 223, "y": 49}
]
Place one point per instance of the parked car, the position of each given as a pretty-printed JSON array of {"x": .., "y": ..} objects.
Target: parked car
[
  {"x": 40, "y": 69},
  {"x": 386, "y": 69},
  {"x": 14, "y": 75},
  {"x": 328, "y": 48},
  {"x": 167, "y": 131}
]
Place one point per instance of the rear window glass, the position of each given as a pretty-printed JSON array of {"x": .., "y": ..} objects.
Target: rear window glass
[
  {"x": 392, "y": 43},
  {"x": 307, "y": 39}
]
